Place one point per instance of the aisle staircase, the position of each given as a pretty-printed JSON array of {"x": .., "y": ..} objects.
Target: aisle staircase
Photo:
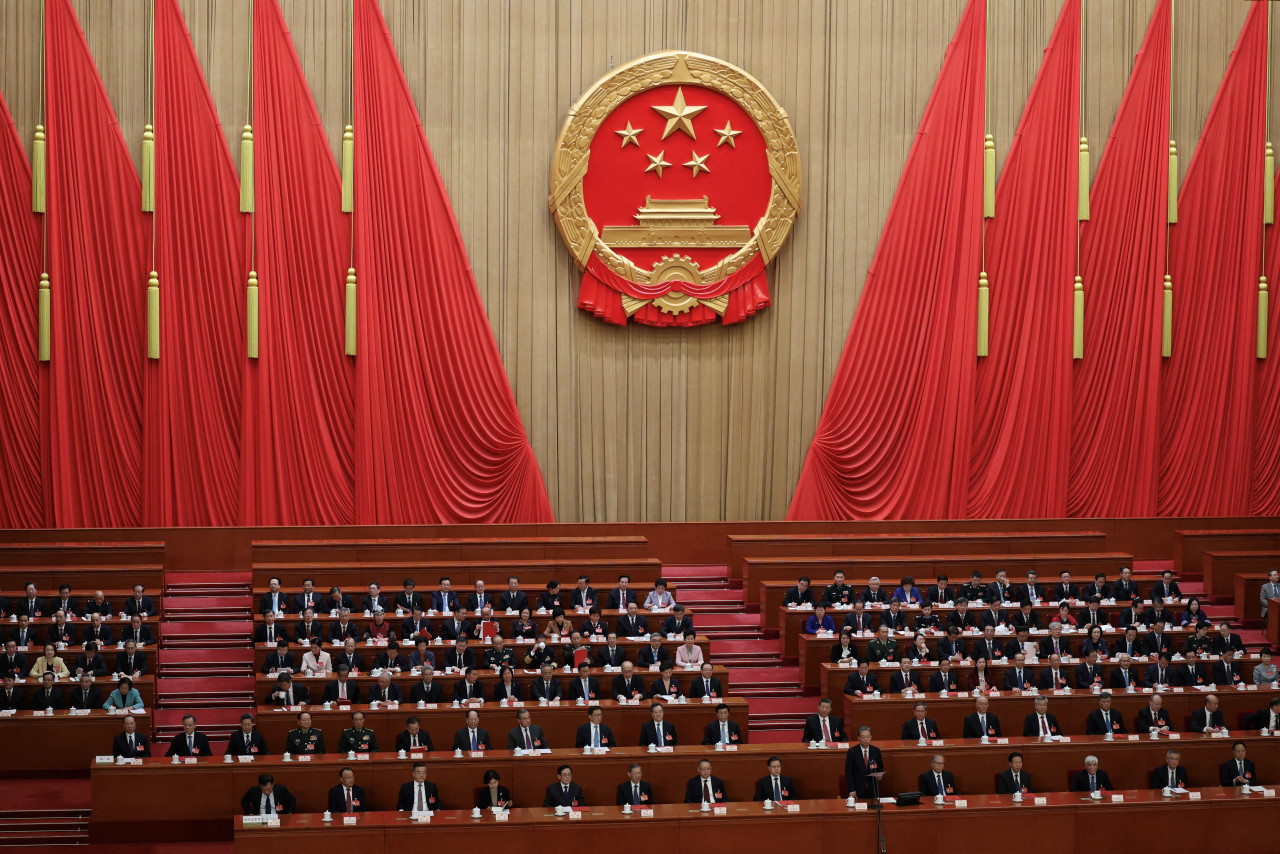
[
  {"x": 44, "y": 828},
  {"x": 205, "y": 661}
]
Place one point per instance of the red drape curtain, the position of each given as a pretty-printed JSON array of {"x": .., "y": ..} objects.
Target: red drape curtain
[
  {"x": 1023, "y": 387},
  {"x": 191, "y": 434},
  {"x": 1265, "y": 492},
  {"x": 98, "y": 241},
  {"x": 1206, "y": 386},
  {"x": 297, "y": 466},
  {"x": 20, "y": 497},
  {"x": 438, "y": 436},
  {"x": 894, "y": 437},
  {"x": 1115, "y": 392}
]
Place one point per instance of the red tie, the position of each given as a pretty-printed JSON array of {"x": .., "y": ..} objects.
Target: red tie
[
  {"x": 349, "y": 809},
  {"x": 706, "y": 791},
  {"x": 826, "y": 731}
]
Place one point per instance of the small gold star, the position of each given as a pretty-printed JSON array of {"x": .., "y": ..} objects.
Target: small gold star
[
  {"x": 726, "y": 135},
  {"x": 679, "y": 115},
  {"x": 656, "y": 163},
  {"x": 629, "y": 135},
  {"x": 698, "y": 163}
]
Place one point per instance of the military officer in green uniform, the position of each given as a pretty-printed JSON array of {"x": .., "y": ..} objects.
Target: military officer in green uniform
[
  {"x": 304, "y": 739},
  {"x": 358, "y": 738}
]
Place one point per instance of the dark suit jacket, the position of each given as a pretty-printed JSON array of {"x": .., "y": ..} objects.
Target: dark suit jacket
[
  {"x": 693, "y": 790},
  {"x": 509, "y": 601},
  {"x": 337, "y": 632},
  {"x": 1031, "y": 725},
  {"x": 671, "y": 626},
  {"x": 859, "y": 622},
  {"x": 408, "y": 601},
  {"x": 145, "y": 636},
  {"x": 540, "y": 689},
  {"x": 441, "y": 601},
  {"x": 301, "y": 695},
  {"x": 1201, "y": 718},
  {"x": 500, "y": 691},
  {"x": 556, "y": 797},
  {"x": 284, "y": 800},
  {"x": 420, "y": 693},
  {"x": 19, "y": 665},
  {"x": 1185, "y": 676},
  {"x": 1228, "y": 771},
  {"x": 46, "y": 698},
  {"x": 1117, "y": 678},
  {"x": 1083, "y": 678},
  {"x": 898, "y": 681},
  {"x": 124, "y": 665},
  {"x": 624, "y": 793},
  {"x": 81, "y": 699},
  {"x": 331, "y": 692},
  {"x": 1046, "y": 678},
  {"x": 413, "y": 627},
  {"x": 605, "y": 658},
  {"x": 424, "y": 740},
  {"x": 404, "y": 801},
  {"x": 583, "y": 598},
  {"x": 1011, "y": 679},
  {"x": 1164, "y": 643},
  {"x": 647, "y": 656},
  {"x": 1004, "y": 782},
  {"x": 1065, "y": 591},
  {"x": 284, "y": 603},
  {"x": 697, "y": 688},
  {"x": 515, "y": 738},
  {"x": 1227, "y": 673},
  {"x": 1046, "y": 647},
  {"x": 711, "y": 734},
  {"x": 672, "y": 689},
  {"x": 583, "y": 737},
  {"x": 938, "y": 681},
  {"x": 1160, "y": 777},
  {"x": 813, "y": 728},
  {"x": 462, "y": 739},
  {"x": 178, "y": 747},
  {"x": 1081, "y": 782},
  {"x": 973, "y": 729},
  {"x": 928, "y": 784},
  {"x": 19, "y": 700},
  {"x": 855, "y": 683},
  {"x": 857, "y": 774},
  {"x": 131, "y": 606},
  {"x": 368, "y": 603},
  {"x": 1096, "y": 726},
  {"x": 394, "y": 695},
  {"x": 911, "y": 729},
  {"x": 628, "y": 628},
  {"x": 260, "y": 634},
  {"x": 277, "y": 661},
  {"x": 1144, "y": 722},
  {"x": 1152, "y": 676},
  {"x": 338, "y": 800},
  {"x": 119, "y": 745},
  {"x": 319, "y": 602},
  {"x": 649, "y": 734},
  {"x": 257, "y": 745},
  {"x": 617, "y": 601},
  {"x": 764, "y": 788},
  {"x": 460, "y": 690},
  {"x": 102, "y": 637},
  {"x": 620, "y": 687},
  {"x": 593, "y": 689}
]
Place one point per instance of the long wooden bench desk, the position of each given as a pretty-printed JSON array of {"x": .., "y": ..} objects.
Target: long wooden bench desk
[
  {"x": 462, "y": 574},
  {"x": 425, "y": 549},
  {"x": 1190, "y": 546},
  {"x": 1221, "y": 820},
  {"x": 59, "y": 742},
  {"x": 1248, "y": 596},
  {"x": 67, "y": 553},
  {"x": 923, "y": 568}
]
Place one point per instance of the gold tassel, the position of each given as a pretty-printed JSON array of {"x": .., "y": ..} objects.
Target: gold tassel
[
  {"x": 1082, "y": 204},
  {"x": 45, "y": 310},
  {"x": 1173, "y": 183},
  {"x": 348, "y": 169},
  {"x": 989, "y": 177},
  {"x": 246, "y": 170},
  {"x": 1166, "y": 322},
  {"x": 148, "y": 168},
  {"x": 1077, "y": 320},
  {"x": 153, "y": 316},
  {"x": 1269, "y": 187},
  {"x": 351, "y": 312},
  {"x": 252, "y": 315},
  {"x": 984, "y": 313},
  {"x": 38, "y": 166},
  {"x": 1263, "y": 308}
]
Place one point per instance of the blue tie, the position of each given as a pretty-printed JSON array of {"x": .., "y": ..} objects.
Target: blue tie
[
  {"x": 475, "y": 745},
  {"x": 777, "y": 789}
]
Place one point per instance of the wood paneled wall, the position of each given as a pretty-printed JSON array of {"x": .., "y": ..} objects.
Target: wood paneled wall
[{"x": 637, "y": 423}]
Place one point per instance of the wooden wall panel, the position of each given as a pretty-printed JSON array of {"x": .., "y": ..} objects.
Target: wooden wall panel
[{"x": 638, "y": 423}]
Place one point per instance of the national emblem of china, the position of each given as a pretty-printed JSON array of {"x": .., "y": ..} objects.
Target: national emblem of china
[{"x": 675, "y": 180}]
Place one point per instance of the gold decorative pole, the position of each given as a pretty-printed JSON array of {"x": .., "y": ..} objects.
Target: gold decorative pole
[
  {"x": 1269, "y": 187},
  {"x": 148, "y": 169},
  {"x": 1082, "y": 203},
  {"x": 989, "y": 177},
  {"x": 1173, "y": 183},
  {"x": 348, "y": 169},
  {"x": 39, "y": 169}
]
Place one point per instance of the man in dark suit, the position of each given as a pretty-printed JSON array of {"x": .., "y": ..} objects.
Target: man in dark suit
[
  {"x": 139, "y": 605},
  {"x": 987, "y": 646},
  {"x": 774, "y": 786},
  {"x": 1014, "y": 779},
  {"x": 1098, "y": 587},
  {"x": 268, "y": 798},
  {"x": 1166, "y": 587},
  {"x": 308, "y": 628},
  {"x": 944, "y": 678},
  {"x": 1065, "y": 588},
  {"x": 13, "y": 661},
  {"x": 130, "y": 661},
  {"x": 861, "y": 762},
  {"x": 1169, "y": 774},
  {"x": 12, "y": 698},
  {"x": 30, "y": 605},
  {"x": 427, "y": 690},
  {"x": 1227, "y": 673},
  {"x": 801, "y": 594},
  {"x": 1055, "y": 643},
  {"x": 858, "y": 619},
  {"x": 1103, "y": 719},
  {"x": 940, "y": 593},
  {"x": 478, "y": 598},
  {"x": 1125, "y": 676},
  {"x": 610, "y": 655},
  {"x": 678, "y": 623},
  {"x": 1238, "y": 770},
  {"x": 343, "y": 629},
  {"x": 387, "y": 691},
  {"x": 564, "y": 792},
  {"x": 513, "y": 598},
  {"x": 993, "y": 615},
  {"x": 347, "y": 797},
  {"x": 982, "y": 722},
  {"x": 455, "y": 627},
  {"x": 621, "y": 595},
  {"x": 85, "y": 695},
  {"x": 1040, "y": 723},
  {"x": 46, "y": 696},
  {"x": 1089, "y": 672},
  {"x": 656, "y": 731},
  {"x": 419, "y": 794},
  {"x": 97, "y": 631},
  {"x": 1000, "y": 590},
  {"x": 281, "y": 660},
  {"x": 704, "y": 788},
  {"x": 548, "y": 686},
  {"x": 444, "y": 600},
  {"x": 903, "y": 678},
  {"x": 862, "y": 681},
  {"x": 526, "y": 735},
  {"x": 138, "y": 632},
  {"x": 1091, "y": 779},
  {"x": 1191, "y": 673},
  {"x": 1153, "y": 717},
  {"x": 1207, "y": 718},
  {"x": 471, "y": 737},
  {"x": 1019, "y": 677},
  {"x": 189, "y": 742},
  {"x": 248, "y": 741},
  {"x": 413, "y": 736},
  {"x": 60, "y": 631},
  {"x": 586, "y": 687},
  {"x": 919, "y": 726},
  {"x": 96, "y": 604},
  {"x": 408, "y": 599},
  {"x": 594, "y": 733},
  {"x": 583, "y": 594},
  {"x": 1131, "y": 645},
  {"x": 469, "y": 687},
  {"x": 375, "y": 600},
  {"x": 270, "y": 631},
  {"x": 626, "y": 685},
  {"x": 937, "y": 780},
  {"x": 1226, "y": 642},
  {"x": 1160, "y": 673},
  {"x": 823, "y": 726},
  {"x": 460, "y": 655},
  {"x": 90, "y": 661},
  {"x": 288, "y": 693},
  {"x": 654, "y": 653},
  {"x": 722, "y": 730},
  {"x": 1055, "y": 676},
  {"x": 634, "y": 790},
  {"x": 632, "y": 624},
  {"x": 705, "y": 685},
  {"x": 274, "y": 600},
  {"x": 952, "y": 646},
  {"x": 308, "y": 598},
  {"x": 415, "y": 627},
  {"x": 1125, "y": 588},
  {"x": 130, "y": 743}
]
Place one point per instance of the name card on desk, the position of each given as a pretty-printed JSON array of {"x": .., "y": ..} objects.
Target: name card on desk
[
  {"x": 349, "y": 819},
  {"x": 1268, "y": 793},
  {"x": 790, "y": 808},
  {"x": 1117, "y": 799},
  {"x": 362, "y": 757},
  {"x": 253, "y": 819},
  {"x": 860, "y": 806},
  {"x": 575, "y": 815},
  {"x": 1066, "y": 739},
  {"x": 1134, "y": 737},
  {"x": 729, "y": 747},
  {"x": 961, "y": 804},
  {"x": 646, "y": 813},
  {"x": 1174, "y": 736},
  {"x": 1194, "y": 796},
  {"x": 244, "y": 758},
  {"x": 1040, "y": 802},
  {"x": 937, "y": 742},
  {"x": 7, "y": 713},
  {"x": 79, "y": 713},
  {"x": 501, "y": 816},
  {"x": 417, "y": 755},
  {"x": 1002, "y": 741},
  {"x": 105, "y": 760},
  {"x": 190, "y": 760},
  {"x": 346, "y": 708},
  {"x": 303, "y": 757}
]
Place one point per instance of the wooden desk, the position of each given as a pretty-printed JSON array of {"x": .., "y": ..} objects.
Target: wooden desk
[
  {"x": 923, "y": 568},
  {"x": 67, "y": 553},
  {"x": 427, "y": 549},
  {"x": 463, "y": 574},
  {"x": 560, "y": 723},
  {"x": 1189, "y": 547},
  {"x": 1248, "y": 593},
  {"x": 887, "y": 715},
  {"x": 1222, "y": 820},
  {"x": 59, "y": 742},
  {"x": 361, "y": 622}
]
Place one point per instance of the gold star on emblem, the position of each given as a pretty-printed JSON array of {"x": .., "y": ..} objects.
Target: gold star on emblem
[
  {"x": 698, "y": 163},
  {"x": 629, "y": 135},
  {"x": 657, "y": 163},
  {"x": 727, "y": 134},
  {"x": 679, "y": 115}
]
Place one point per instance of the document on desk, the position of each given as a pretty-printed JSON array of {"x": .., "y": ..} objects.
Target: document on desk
[
  {"x": 888, "y": 800},
  {"x": 1180, "y": 791}
]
